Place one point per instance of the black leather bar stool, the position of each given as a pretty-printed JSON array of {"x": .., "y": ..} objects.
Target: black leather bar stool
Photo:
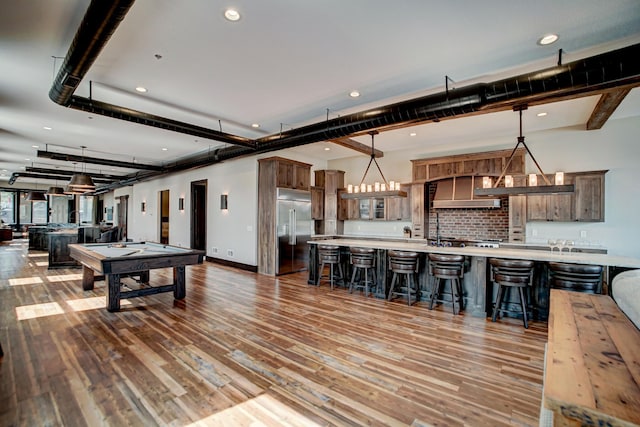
[
  {"x": 330, "y": 255},
  {"x": 362, "y": 259},
  {"x": 510, "y": 273},
  {"x": 444, "y": 267},
  {"x": 403, "y": 264},
  {"x": 576, "y": 277}
]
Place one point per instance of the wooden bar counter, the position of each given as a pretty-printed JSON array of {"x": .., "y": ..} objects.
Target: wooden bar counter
[
  {"x": 476, "y": 280},
  {"x": 592, "y": 374}
]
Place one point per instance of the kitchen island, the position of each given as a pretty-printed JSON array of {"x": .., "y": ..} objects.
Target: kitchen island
[{"x": 478, "y": 292}]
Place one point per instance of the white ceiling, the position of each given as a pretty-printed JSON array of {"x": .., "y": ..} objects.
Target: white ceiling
[{"x": 284, "y": 64}]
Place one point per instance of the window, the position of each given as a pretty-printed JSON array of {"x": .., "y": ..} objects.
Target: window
[
  {"x": 7, "y": 207},
  {"x": 87, "y": 210}
]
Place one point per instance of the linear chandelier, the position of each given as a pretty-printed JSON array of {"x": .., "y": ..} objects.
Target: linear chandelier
[
  {"x": 365, "y": 191},
  {"x": 558, "y": 187}
]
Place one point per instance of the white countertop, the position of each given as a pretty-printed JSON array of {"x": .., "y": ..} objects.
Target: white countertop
[{"x": 536, "y": 255}]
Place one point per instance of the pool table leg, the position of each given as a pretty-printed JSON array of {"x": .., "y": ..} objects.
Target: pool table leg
[
  {"x": 179, "y": 290},
  {"x": 87, "y": 278},
  {"x": 113, "y": 288}
]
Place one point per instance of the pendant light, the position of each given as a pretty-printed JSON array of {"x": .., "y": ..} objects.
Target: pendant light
[
  {"x": 365, "y": 191},
  {"x": 81, "y": 182},
  {"x": 558, "y": 187},
  {"x": 35, "y": 195}
]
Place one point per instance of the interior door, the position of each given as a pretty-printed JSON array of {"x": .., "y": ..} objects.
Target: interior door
[
  {"x": 199, "y": 215},
  {"x": 164, "y": 216}
]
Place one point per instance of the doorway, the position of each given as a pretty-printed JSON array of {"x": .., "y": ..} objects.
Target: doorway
[
  {"x": 122, "y": 215},
  {"x": 164, "y": 216},
  {"x": 199, "y": 215}
]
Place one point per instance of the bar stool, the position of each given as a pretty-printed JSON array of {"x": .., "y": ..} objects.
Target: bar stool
[
  {"x": 446, "y": 268},
  {"x": 404, "y": 264},
  {"x": 576, "y": 277},
  {"x": 510, "y": 273},
  {"x": 362, "y": 259},
  {"x": 330, "y": 255}
]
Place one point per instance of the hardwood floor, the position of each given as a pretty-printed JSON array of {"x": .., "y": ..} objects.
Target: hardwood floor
[{"x": 244, "y": 349}]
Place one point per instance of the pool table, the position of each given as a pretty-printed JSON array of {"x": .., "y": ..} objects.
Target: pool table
[{"x": 114, "y": 260}]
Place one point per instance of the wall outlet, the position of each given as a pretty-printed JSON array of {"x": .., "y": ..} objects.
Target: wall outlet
[
  {"x": 583, "y": 234},
  {"x": 249, "y": 228},
  {"x": 215, "y": 250},
  {"x": 229, "y": 252},
  {"x": 534, "y": 232}
]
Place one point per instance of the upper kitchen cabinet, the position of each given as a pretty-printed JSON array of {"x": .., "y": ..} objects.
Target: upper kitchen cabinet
[
  {"x": 589, "y": 195},
  {"x": 490, "y": 163},
  {"x": 290, "y": 173},
  {"x": 586, "y": 203},
  {"x": 317, "y": 203},
  {"x": 399, "y": 208}
]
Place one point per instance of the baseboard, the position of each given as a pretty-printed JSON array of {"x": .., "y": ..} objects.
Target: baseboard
[{"x": 241, "y": 266}]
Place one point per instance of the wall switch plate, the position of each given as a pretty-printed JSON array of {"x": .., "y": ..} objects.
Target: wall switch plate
[
  {"x": 583, "y": 234},
  {"x": 215, "y": 250},
  {"x": 229, "y": 252},
  {"x": 534, "y": 232}
]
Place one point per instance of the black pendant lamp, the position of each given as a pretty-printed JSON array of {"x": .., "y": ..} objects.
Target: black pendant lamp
[{"x": 81, "y": 182}]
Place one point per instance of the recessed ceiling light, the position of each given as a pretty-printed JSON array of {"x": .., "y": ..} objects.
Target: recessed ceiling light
[
  {"x": 141, "y": 89},
  {"x": 548, "y": 39},
  {"x": 542, "y": 114},
  {"x": 28, "y": 160},
  {"x": 164, "y": 149},
  {"x": 412, "y": 134},
  {"x": 232, "y": 14},
  {"x": 354, "y": 94},
  {"x": 327, "y": 148},
  {"x": 46, "y": 128},
  {"x": 35, "y": 146},
  {"x": 255, "y": 125}
]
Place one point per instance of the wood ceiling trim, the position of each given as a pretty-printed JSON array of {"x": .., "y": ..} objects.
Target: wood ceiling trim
[
  {"x": 607, "y": 104},
  {"x": 357, "y": 146}
]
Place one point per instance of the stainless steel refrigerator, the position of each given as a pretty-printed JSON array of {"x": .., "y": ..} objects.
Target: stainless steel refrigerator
[{"x": 294, "y": 230}]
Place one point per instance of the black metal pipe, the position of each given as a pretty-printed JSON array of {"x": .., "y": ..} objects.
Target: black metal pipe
[{"x": 98, "y": 24}]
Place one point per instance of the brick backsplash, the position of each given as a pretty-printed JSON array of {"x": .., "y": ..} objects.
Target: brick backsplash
[{"x": 471, "y": 223}]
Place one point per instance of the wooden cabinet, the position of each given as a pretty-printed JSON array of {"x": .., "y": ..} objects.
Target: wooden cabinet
[
  {"x": 490, "y": 163},
  {"x": 331, "y": 182},
  {"x": 585, "y": 204},
  {"x": 551, "y": 207},
  {"x": 417, "y": 210},
  {"x": 517, "y": 218},
  {"x": 317, "y": 203},
  {"x": 399, "y": 208},
  {"x": 274, "y": 172},
  {"x": 291, "y": 174},
  {"x": 589, "y": 196},
  {"x": 372, "y": 208}
]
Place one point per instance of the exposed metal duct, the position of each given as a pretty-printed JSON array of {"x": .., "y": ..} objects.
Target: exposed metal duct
[
  {"x": 99, "y": 23},
  {"x": 589, "y": 76}
]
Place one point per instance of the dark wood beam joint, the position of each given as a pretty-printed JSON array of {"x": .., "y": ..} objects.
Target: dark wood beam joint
[{"x": 607, "y": 104}]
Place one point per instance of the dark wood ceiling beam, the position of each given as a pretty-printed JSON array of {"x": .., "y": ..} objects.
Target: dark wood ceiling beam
[
  {"x": 68, "y": 173},
  {"x": 357, "y": 146},
  {"x": 96, "y": 161},
  {"x": 48, "y": 177},
  {"x": 607, "y": 104}
]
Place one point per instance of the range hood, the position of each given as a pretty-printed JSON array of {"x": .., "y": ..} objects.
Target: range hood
[{"x": 457, "y": 193}]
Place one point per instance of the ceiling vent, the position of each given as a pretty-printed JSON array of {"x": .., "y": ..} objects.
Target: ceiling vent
[{"x": 457, "y": 193}]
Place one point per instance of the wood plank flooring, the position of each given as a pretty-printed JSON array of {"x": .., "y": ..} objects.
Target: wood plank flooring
[{"x": 249, "y": 350}]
